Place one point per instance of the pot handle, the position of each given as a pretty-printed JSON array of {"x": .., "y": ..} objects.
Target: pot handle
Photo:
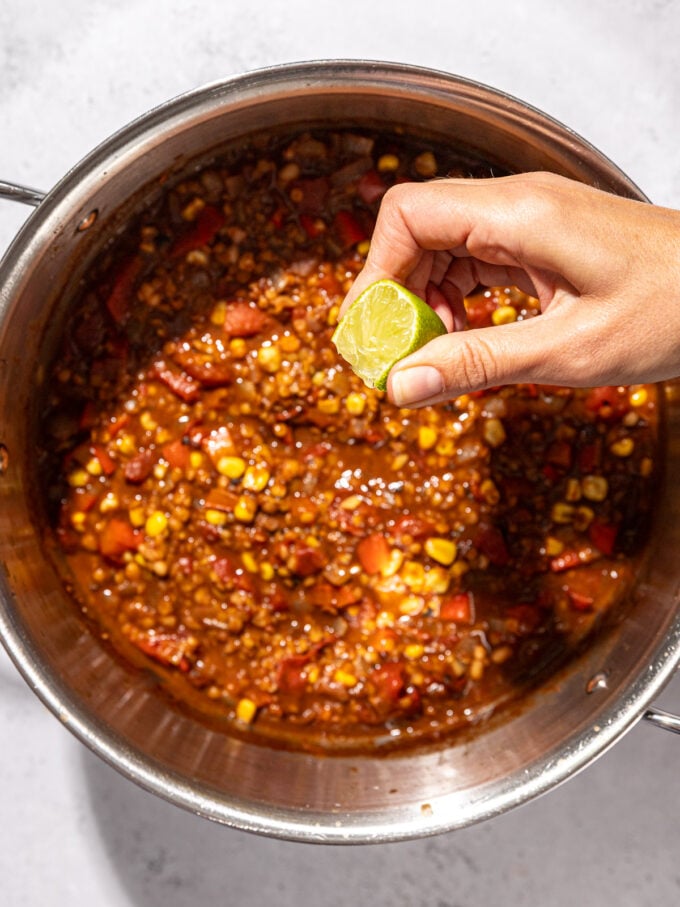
[
  {"x": 665, "y": 720},
  {"x": 16, "y": 193}
]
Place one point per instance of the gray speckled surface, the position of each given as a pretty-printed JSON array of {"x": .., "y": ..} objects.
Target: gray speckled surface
[{"x": 72, "y": 830}]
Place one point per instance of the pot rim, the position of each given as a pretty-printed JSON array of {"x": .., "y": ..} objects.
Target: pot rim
[{"x": 247, "y": 88}]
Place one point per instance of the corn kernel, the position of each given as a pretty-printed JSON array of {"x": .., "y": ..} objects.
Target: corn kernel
[
  {"x": 137, "y": 517},
  {"x": 441, "y": 550},
  {"x": 196, "y": 459},
  {"x": 289, "y": 343},
  {"x": 219, "y": 313},
  {"x": 446, "y": 447},
  {"x": 256, "y": 478},
  {"x": 624, "y": 447},
  {"x": 476, "y": 670},
  {"x": 355, "y": 404},
  {"x": 583, "y": 517},
  {"x": 412, "y": 605},
  {"x": 346, "y": 678},
  {"x": 562, "y": 513},
  {"x": 427, "y": 437},
  {"x": 238, "y": 347},
  {"x": 494, "y": 433},
  {"x": 364, "y": 247},
  {"x": 425, "y": 164},
  {"x": 78, "y": 520},
  {"x": 414, "y": 650},
  {"x": 573, "y": 490},
  {"x": 246, "y": 710},
  {"x": 388, "y": 163},
  {"x": 638, "y": 396},
  {"x": 267, "y": 571},
  {"x": 78, "y": 478},
  {"x": 351, "y": 502},
  {"x": 646, "y": 466},
  {"x": 413, "y": 574},
  {"x": 437, "y": 581},
  {"x": 109, "y": 502},
  {"x": 490, "y": 492},
  {"x": 553, "y": 546},
  {"x": 215, "y": 517},
  {"x": 399, "y": 462},
  {"x": 190, "y": 211},
  {"x": 126, "y": 445},
  {"x": 595, "y": 488},
  {"x": 147, "y": 421},
  {"x": 160, "y": 470},
  {"x": 393, "y": 564},
  {"x": 312, "y": 674},
  {"x": 156, "y": 524},
  {"x": 269, "y": 358},
  {"x": 249, "y": 562},
  {"x": 501, "y": 654},
  {"x": 231, "y": 467},
  {"x": 504, "y": 314},
  {"x": 333, "y": 313},
  {"x": 94, "y": 467},
  {"x": 329, "y": 405},
  {"x": 245, "y": 509}
]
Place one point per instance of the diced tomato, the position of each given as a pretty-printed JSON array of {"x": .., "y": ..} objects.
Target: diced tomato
[
  {"x": 589, "y": 457},
  {"x": 305, "y": 560},
  {"x": 231, "y": 575},
  {"x": 310, "y": 225},
  {"x": 120, "y": 297},
  {"x": 117, "y": 537},
  {"x": 183, "y": 386},
  {"x": 412, "y": 525},
  {"x": 610, "y": 403},
  {"x": 489, "y": 540},
  {"x": 243, "y": 319},
  {"x": 176, "y": 453},
  {"x": 138, "y": 469},
  {"x": 168, "y": 649},
  {"x": 209, "y": 372},
  {"x": 525, "y": 618},
  {"x": 221, "y": 499},
  {"x": 479, "y": 311},
  {"x": 373, "y": 552},
  {"x": 277, "y": 218},
  {"x": 603, "y": 536},
  {"x": 559, "y": 454},
  {"x": 118, "y": 424},
  {"x": 202, "y": 232},
  {"x": 107, "y": 463},
  {"x": 458, "y": 608},
  {"x": 371, "y": 187},
  {"x": 574, "y": 558},
  {"x": 348, "y": 229},
  {"x": 390, "y": 680},
  {"x": 291, "y": 674},
  {"x": 579, "y": 601},
  {"x": 311, "y": 195}
]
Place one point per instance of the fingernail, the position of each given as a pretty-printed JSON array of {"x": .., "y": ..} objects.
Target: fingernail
[{"x": 414, "y": 385}]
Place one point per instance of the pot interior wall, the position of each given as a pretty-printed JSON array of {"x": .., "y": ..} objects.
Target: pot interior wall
[{"x": 120, "y": 713}]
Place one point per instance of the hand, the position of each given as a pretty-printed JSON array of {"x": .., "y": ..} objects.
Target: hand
[{"x": 606, "y": 271}]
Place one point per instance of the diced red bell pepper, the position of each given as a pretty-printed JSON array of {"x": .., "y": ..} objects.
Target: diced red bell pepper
[
  {"x": 305, "y": 560},
  {"x": 574, "y": 558},
  {"x": 117, "y": 537},
  {"x": 373, "y": 552},
  {"x": 412, "y": 525},
  {"x": 107, "y": 463},
  {"x": 559, "y": 454},
  {"x": 310, "y": 225},
  {"x": 120, "y": 296},
  {"x": 139, "y": 468},
  {"x": 589, "y": 457},
  {"x": 348, "y": 229},
  {"x": 201, "y": 233},
  {"x": 603, "y": 536},
  {"x": 458, "y": 608}
]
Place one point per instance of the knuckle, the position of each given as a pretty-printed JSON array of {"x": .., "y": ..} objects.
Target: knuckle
[{"x": 476, "y": 366}]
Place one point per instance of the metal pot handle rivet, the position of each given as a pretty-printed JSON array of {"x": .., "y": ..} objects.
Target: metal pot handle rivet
[{"x": 16, "y": 193}]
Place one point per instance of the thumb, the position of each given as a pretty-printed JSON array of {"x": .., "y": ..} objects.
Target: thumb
[{"x": 467, "y": 361}]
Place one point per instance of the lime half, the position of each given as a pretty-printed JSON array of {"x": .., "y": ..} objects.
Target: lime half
[{"x": 383, "y": 325}]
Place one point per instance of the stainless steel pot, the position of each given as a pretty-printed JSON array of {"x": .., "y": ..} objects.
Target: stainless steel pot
[{"x": 119, "y": 714}]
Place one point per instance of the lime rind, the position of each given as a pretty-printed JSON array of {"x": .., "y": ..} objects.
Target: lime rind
[{"x": 382, "y": 326}]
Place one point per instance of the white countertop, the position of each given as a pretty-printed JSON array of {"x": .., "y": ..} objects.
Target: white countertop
[{"x": 75, "y": 832}]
